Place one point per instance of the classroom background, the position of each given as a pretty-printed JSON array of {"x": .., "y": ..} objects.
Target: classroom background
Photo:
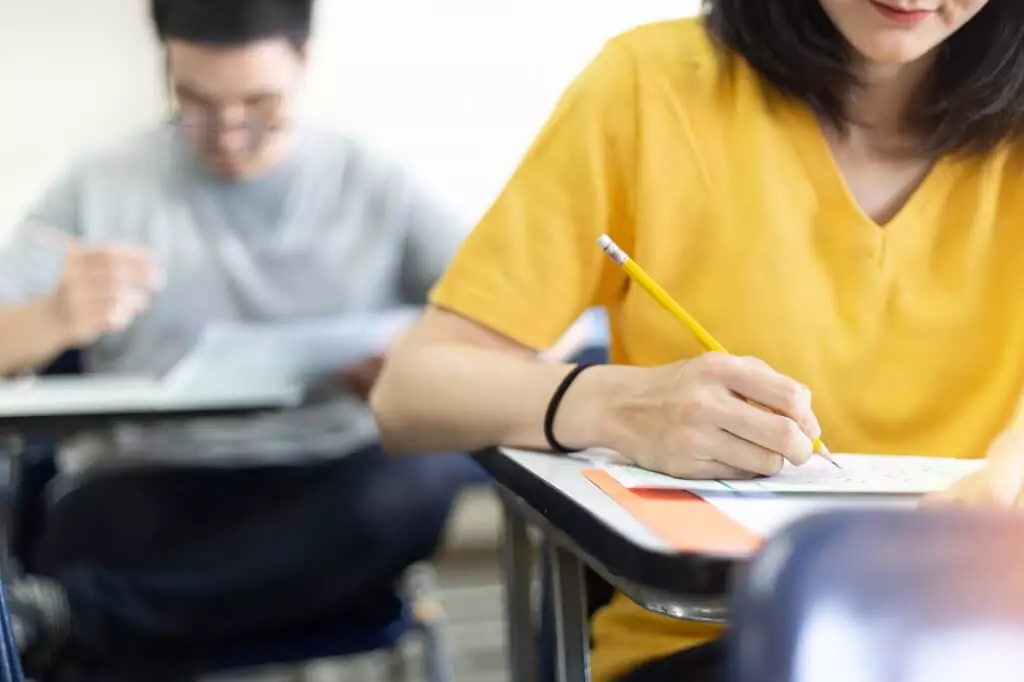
[{"x": 452, "y": 89}]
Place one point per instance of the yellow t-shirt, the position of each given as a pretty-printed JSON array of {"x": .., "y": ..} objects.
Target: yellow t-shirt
[{"x": 911, "y": 336}]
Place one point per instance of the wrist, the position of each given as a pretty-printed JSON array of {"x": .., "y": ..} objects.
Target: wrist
[{"x": 589, "y": 415}]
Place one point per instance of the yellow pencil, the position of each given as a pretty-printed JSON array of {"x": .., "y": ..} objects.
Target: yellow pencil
[{"x": 637, "y": 274}]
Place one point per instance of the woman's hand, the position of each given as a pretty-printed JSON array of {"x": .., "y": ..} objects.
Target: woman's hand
[
  {"x": 692, "y": 419},
  {"x": 999, "y": 484}
]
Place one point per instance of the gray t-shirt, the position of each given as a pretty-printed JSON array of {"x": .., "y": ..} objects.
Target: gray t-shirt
[{"x": 332, "y": 231}]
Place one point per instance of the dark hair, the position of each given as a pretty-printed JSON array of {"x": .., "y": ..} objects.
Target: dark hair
[
  {"x": 973, "y": 100},
  {"x": 233, "y": 22}
]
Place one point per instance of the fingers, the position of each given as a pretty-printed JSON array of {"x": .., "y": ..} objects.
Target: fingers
[
  {"x": 109, "y": 302},
  {"x": 984, "y": 489},
  {"x": 746, "y": 456},
  {"x": 91, "y": 316},
  {"x": 961, "y": 497},
  {"x": 104, "y": 289},
  {"x": 119, "y": 311},
  {"x": 754, "y": 380},
  {"x": 943, "y": 498},
  {"x": 999, "y": 484},
  {"x": 714, "y": 447},
  {"x": 768, "y": 431},
  {"x": 708, "y": 470},
  {"x": 118, "y": 267}
]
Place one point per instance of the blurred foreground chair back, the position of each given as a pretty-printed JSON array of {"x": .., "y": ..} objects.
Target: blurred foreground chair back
[{"x": 884, "y": 596}]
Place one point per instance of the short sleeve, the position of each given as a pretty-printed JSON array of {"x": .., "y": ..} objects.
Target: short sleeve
[
  {"x": 532, "y": 266},
  {"x": 32, "y": 257}
]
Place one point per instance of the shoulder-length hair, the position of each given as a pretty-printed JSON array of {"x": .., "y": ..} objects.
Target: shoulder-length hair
[{"x": 973, "y": 100}]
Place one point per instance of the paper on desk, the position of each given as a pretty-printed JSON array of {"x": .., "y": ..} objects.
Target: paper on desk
[
  {"x": 859, "y": 474},
  {"x": 767, "y": 513},
  {"x": 291, "y": 353}
]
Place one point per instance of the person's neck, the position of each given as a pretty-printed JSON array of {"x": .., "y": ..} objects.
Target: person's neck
[
  {"x": 277, "y": 154},
  {"x": 878, "y": 106}
]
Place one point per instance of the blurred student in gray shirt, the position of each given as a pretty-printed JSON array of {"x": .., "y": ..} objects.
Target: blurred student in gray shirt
[{"x": 185, "y": 535}]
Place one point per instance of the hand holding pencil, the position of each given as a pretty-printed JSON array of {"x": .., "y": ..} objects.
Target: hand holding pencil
[
  {"x": 741, "y": 403},
  {"x": 102, "y": 289}
]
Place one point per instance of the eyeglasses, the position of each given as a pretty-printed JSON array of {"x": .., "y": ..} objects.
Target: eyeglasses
[{"x": 203, "y": 123}]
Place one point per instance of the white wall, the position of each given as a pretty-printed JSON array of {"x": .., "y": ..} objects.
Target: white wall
[
  {"x": 455, "y": 89},
  {"x": 72, "y": 72}
]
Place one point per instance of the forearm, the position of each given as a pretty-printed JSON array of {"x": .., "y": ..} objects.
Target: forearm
[
  {"x": 452, "y": 396},
  {"x": 30, "y": 336}
]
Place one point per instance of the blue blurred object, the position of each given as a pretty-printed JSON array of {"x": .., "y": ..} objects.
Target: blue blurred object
[
  {"x": 884, "y": 596},
  {"x": 10, "y": 660},
  {"x": 346, "y": 637}
]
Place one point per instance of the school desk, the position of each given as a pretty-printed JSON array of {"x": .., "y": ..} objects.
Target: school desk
[
  {"x": 683, "y": 570},
  {"x": 59, "y": 404}
]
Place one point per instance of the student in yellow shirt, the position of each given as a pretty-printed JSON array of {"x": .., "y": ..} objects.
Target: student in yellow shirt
[{"x": 832, "y": 187}]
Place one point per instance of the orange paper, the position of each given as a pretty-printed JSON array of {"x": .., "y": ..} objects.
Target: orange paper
[{"x": 685, "y": 521}]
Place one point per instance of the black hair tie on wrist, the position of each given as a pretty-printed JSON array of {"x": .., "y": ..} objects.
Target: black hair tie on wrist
[{"x": 552, "y": 411}]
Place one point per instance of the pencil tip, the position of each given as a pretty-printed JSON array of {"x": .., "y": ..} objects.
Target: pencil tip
[{"x": 827, "y": 454}]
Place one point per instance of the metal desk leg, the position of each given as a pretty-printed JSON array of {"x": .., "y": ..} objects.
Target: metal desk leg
[
  {"x": 517, "y": 562},
  {"x": 573, "y": 634}
]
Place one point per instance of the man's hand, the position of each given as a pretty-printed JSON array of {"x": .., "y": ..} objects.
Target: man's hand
[
  {"x": 998, "y": 485},
  {"x": 360, "y": 377},
  {"x": 103, "y": 290}
]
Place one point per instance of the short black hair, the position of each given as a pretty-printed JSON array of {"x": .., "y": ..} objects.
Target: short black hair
[
  {"x": 972, "y": 102},
  {"x": 233, "y": 22}
]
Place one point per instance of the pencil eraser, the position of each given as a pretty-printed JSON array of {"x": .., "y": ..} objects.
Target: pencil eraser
[{"x": 612, "y": 249}]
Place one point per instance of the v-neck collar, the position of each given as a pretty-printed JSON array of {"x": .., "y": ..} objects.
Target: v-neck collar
[{"x": 831, "y": 185}]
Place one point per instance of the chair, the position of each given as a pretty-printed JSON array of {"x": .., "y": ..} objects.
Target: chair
[
  {"x": 884, "y": 596},
  {"x": 382, "y": 632}
]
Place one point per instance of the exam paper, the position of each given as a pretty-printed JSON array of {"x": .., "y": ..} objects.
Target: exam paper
[
  {"x": 859, "y": 474},
  {"x": 766, "y": 514},
  {"x": 286, "y": 353}
]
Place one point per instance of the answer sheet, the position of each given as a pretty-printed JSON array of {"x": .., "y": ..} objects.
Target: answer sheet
[
  {"x": 766, "y": 514},
  {"x": 286, "y": 353},
  {"x": 858, "y": 474}
]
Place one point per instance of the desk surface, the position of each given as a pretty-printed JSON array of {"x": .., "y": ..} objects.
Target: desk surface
[
  {"x": 563, "y": 474},
  {"x": 559, "y": 495},
  {"x": 558, "y": 498},
  {"x": 57, "y": 401}
]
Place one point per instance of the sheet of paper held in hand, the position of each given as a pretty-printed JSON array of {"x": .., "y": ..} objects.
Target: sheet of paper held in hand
[
  {"x": 289, "y": 353},
  {"x": 858, "y": 475}
]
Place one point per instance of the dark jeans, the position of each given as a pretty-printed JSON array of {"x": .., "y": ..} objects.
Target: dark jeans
[
  {"x": 175, "y": 562},
  {"x": 701, "y": 664}
]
